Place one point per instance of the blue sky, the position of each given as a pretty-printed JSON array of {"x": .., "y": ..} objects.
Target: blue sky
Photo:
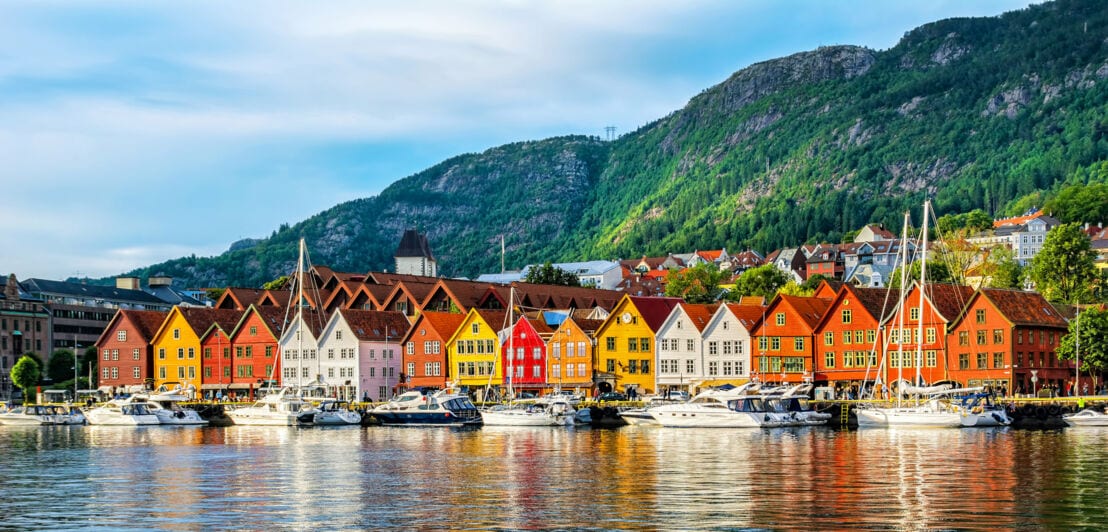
[{"x": 132, "y": 132}]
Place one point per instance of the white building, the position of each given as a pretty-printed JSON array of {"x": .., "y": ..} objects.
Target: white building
[
  {"x": 679, "y": 359},
  {"x": 728, "y": 344},
  {"x": 1024, "y": 235},
  {"x": 359, "y": 353}
]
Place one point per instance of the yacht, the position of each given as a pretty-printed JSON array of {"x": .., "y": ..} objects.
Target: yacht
[
  {"x": 332, "y": 412},
  {"x": 979, "y": 410},
  {"x": 553, "y": 412},
  {"x": 164, "y": 403},
  {"x": 793, "y": 403},
  {"x": 68, "y": 415},
  {"x": 1087, "y": 418},
  {"x": 936, "y": 411},
  {"x": 282, "y": 408},
  {"x": 419, "y": 408},
  {"x": 28, "y": 415},
  {"x": 122, "y": 412},
  {"x": 731, "y": 408}
]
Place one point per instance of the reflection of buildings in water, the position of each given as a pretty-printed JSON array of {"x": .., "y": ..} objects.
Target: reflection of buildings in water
[{"x": 705, "y": 476}]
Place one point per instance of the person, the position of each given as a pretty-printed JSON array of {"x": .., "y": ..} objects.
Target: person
[{"x": 1085, "y": 389}]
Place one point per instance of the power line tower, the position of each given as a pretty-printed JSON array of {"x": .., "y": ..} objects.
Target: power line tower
[{"x": 610, "y": 131}]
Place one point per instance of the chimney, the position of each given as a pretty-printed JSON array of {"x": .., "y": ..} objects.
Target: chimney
[
  {"x": 127, "y": 283},
  {"x": 11, "y": 290}
]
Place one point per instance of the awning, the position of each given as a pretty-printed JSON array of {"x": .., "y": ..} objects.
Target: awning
[
  {"x": 213, "y": 386},
  {"x": 239, "y": 386}
]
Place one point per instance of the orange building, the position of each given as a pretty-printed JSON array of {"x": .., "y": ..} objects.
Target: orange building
[
  {"x": 254, "y": 344},
  {"x": 1003, "y": 338},
  {"x": 572, "y": 355},
  {"x": 785, "y": 339},
  {"x": 425, "y": 360},
  {"x": 941, "y": 304},
  {"x": 849, "y": 340}
]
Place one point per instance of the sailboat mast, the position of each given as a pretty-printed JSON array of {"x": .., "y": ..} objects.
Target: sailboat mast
[
  {"x": 511, "y": 341},
  {"x": 900, "y": 315},
  {"x": 300, "y": 315},
  {"x": 922, "y": 284}
]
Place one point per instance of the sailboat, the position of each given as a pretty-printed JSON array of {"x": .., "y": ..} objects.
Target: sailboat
[
  {"x": 287, "y": 406},
  {"x": 557, "y": 412},
  {"x": 931, "y": 407}
]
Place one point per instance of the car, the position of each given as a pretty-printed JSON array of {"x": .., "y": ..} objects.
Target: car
[{"x": 610, "y": 396}]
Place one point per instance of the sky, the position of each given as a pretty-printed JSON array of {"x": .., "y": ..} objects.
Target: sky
[{"x": 134, "y": 132}]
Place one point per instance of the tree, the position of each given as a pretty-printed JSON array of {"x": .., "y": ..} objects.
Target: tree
[
  {"x": 25, "y": 375},
  {"x": 1065, "y": 267},
  {"x": 1002, "y": 268},
  {"x": 1080, "y": 203},
  {"x": 792, "y": 288},
  {"x": 60, "y": 367},
  {"x": 277, "y": 284},
  {"x": 765, "y": 281},
  {"x": 550, "y": 274},
  {"x": 937, "y": 272},
  {"x": 1094, "y": 340},
  {"x": 699, "y": 284}
]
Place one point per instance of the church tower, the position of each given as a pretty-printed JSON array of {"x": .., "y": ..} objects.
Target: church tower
[{"x": 413, "y": 256}]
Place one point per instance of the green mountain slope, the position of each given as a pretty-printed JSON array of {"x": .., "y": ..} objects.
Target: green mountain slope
[{"x": 975, "y": 113}]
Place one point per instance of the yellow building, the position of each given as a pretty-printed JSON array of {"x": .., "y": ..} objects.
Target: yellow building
[
  {"x": 177, "y": 353},
  {"x": 625, "y": 342},
  {"x": 473, "y": 352}
]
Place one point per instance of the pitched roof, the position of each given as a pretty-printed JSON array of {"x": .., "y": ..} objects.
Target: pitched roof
[
  {"x": 444, "y": 323},
  {"x": 586, "y": 325},
  {"x": 1024, "y": 308},
  {"x": 748, "y": 315},
  {"x": 413, "y": 244},
  {"x": 948, "y": 299},
  {"x": 810, "y": 309},
  {"x": 699, "y": 314},
  {"x": 80, "y": 290},
  {"x": 147, "y": 322},
  {"x": 376, "y": 325},
  {"x": 200, "y": 319},
  {"x": 655, "y": 310}
]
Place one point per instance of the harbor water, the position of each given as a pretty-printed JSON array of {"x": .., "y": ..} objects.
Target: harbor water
[{"x": 635, "y": 477}]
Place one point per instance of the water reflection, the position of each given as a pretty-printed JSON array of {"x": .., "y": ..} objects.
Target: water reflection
[{"x": 550, "y": 477}]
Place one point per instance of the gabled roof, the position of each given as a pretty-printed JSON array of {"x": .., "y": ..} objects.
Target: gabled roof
[
  {"x": 810, "y": 309},
  {"x": 393, "y": 278},
  {"x": 540, "y": 327},
  {"x": 238, "y": 298},
  {"x": 748, "y": 315},
  {"x": 376, "y": 325},
  {"x": 413, "y": 244},
  {"x": 464, "y": 294},
  {"x": 443, "y": 323},
  {"x": 201, "y": 319},
  {"x": 586, "y": 325},
  {"x": 146, "y": 323},
  {"x": 272, "y": 317},
  {"x": 699, "y": 314},
  {"x": 947, "y": 299},
  {"x": 1020, "y": 308},
  {"x": 655, "y": 310},
  {"x": 872, "y": 300}
]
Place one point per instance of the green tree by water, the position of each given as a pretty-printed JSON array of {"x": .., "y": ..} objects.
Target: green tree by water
[
  {"x": 25, "y": 375},
  {"x": 1065, "y": 268},
  {"x": 1093, "y": 346},
  {"x": 60, "y": 367},
  {"x": 699, "y": 284}
]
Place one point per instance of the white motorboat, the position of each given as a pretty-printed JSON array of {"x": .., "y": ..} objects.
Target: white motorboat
[
  {"x": 332, "y": 412},
  {"x": 165, "y": 403},
  {"x": 979, "y": 410},
  {"x": 68, "y": 415},
  {"x": 122, "y": 412},
  {"x": 720, "y": 409},
  {"x": 793, "y": 402},
  {"x": 638, "y": 416},
  {"x": 282, "y": 408},
  {"x": 28, "y": 415},
  {"x": 1087, "y": 418},
  {"x": 419, "y": 408},
  {"x": 554, "y": 412}
]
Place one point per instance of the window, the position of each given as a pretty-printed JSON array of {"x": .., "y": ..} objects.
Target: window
[
  {"x": 728, "y": 368},
  {"x": 136, "y": 353},
  {"x": 269, "y": 351},
  {"x": 981, "y": 337},
  {"x": 763, "y": 343},
  {"x": 410, "y": 347},
  {"x": 536, "y": 353},
  {"x": 871, "y": 336},
  {"x": 913, "y": 313},
  {"x": 963, "y": 337},
  {"x": 982, "y": 360},
  {"x": 121, "y": 335},
  {"x": 115, "y": 354},
  {"x": 998, "y": 360},
  {"x": 932, "y": 358},
  {"x": 107, "y": 354},
  {"x": 690, "y": 345},
  {"x": 644, "y": 345},
  {"x": 180, "y": 353},
  {"x": 793, "y": 365},
  {"x": 798, "y": 343},
  {"x": 645, "y": 366},
  {"x": 633, "y": 345},
  {"x": 581, "y": 369},
  {"x": 829, "y": 360},
  {"x": 713, "y": 348},
  {"x": 930, "y": 333},
  {"x": 569, "y": 370},
  {"x": 475, "y": 328},
  {"x": 980, "y": 314},
  {"x": 105, "y": 372},
  {"x": 227, "y": 372},
  {"x": 176, "y": 334},
  {"x": 253, "y": 330},
  {"x": 249, "y": 351},
  {"x": 846, "y": 315},
  {"x": 338, "y": 335},
  {"x": 779, "y": 318},
  {"x": 858, "y": 336},
  {"x": 239, "y": 351},
  {"x": 775, "y": 343},
  {"x": 135, "y": 373},
  {"x": 207, "y": 352},
  {"x": 180, "y": 372},
  {"x": 610, "y": 343},
  {"x": 331, "y": 354},
  {"x": 828, "y": 338},
  {"x": 632, "y": 366},
  {"x": 536, "y": 372},
  {"x": 998, "y": 336},
  {"x": 609, "y": 365},
  {"x": 713, "y": 368},
  {"x": 847, "y": 337},
  {"x": 161, "y": 373},
  {"x": 963, "y": 361}
]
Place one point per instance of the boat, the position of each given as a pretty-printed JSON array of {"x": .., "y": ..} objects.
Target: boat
[
  {"x": 165, "y": 403},
  {"x": 331, "y": 412},
  {"x": 638, "y": 416},
  {"x": 936, "y": 410},
  {"x": 1087, "y": 418},
  {"x": 122, "y": 412},
  {"x": 978, "y": 409},
  {"x": 282, "y": 408},
  {"x": 793, "y": 402},
  {"x": 28, "y": 415},
  {"x": 557, "y": 412},
  {"x": 68, "y": 414},
  {"x": 417, "y": 407},
  {"x": 718, "y": 408}
]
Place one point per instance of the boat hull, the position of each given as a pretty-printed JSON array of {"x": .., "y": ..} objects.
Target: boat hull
[
  {"x": 121, "y": 420},
  {"x": 711, "y": 419},
  {"x": 425, "y": 418},
  {"x": 525, "y": 419},
  {"x": 906, "y": 417},
  {"x": 1086, "y": 418},
  {"x": 25, "y": 421},
  {"x": 266, "y": 419}
]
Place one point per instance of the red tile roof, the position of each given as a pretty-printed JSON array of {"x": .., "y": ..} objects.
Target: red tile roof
[
  {"x": 655, "y": 310},
  {"x": 376, "y": 325},
  {"x": 1024, "y": 308},
  {"x": 748, "y": 315},
  {"x": 699, "y": 314}
]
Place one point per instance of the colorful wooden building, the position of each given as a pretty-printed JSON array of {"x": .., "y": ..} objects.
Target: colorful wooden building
[
  {"x": 908, "y": 351},
  {"x": 255, "y": 352},
  {"x": 360, "y": 354},
  {"x": 726, "y": 347},
  {"x": 126, "y": 353},
  {"x": 523, "y": 356},
  {"x": 176, "y": 345},
  {"x": 786, "y": 339},
  {"x": 849, "y": 339},
  {"x": 1003, "y": 338},
  {"x": 680, "y": 350},
  {"x": 626, "y": 342},
  {"x": 473, "y": 353},
  {"x": 571, "y": 359},
  {"x": 424, "y": 355}
]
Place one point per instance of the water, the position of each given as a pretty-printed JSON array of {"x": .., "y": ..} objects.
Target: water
[{"x": 544, "y": 477}]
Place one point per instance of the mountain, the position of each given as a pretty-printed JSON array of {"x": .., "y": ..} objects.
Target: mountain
[{"x": 972, "y": 112}]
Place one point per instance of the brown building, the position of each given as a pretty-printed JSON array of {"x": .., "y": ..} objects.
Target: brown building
[
  {"x": 124, "y": 351},
  {"x": 24, "y": 327}
]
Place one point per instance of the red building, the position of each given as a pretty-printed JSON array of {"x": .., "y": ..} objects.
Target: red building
[
  {"x": 849, "y": 340},
  {"x": 216, "y": 361},
  {"x": 526, "y": 370},
  {"x": 1003, "y": 338},
  {"x": 785, "y": 339},
  {"x": 254, "y": 346},
  {"x": 425, "y": 363},
  {"x": 931, "y": 317},
  {"x": 126, "y": 353}
]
